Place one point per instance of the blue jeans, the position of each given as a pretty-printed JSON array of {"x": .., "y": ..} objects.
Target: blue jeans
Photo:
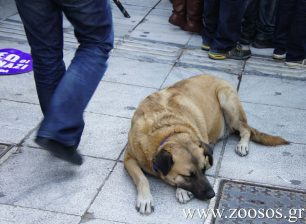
[
  {"x": 64, "y": 94},
  {"x": 290, "y": 33},
  {"x": 222, "y": 23}
]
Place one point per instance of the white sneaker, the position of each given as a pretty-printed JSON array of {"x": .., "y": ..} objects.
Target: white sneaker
[{"x": 296, "y": 63}]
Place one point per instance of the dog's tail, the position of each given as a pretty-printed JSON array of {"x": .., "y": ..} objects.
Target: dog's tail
[{"x": 266, "y": 139}]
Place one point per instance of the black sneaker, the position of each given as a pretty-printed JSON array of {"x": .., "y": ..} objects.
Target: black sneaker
[
  {"x": 239, "y": 52},
  {"x": 279, "y": 53},
  {"x": 67, "y": 153}
]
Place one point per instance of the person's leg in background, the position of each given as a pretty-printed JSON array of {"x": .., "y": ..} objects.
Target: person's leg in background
[
  {"x": 228, "y": 32},
  {"x": 43, "y": 25},
  {"x": 265, "y": 24},
  {"x": 210, "y": 17},
  {"x": 284, "y": 16},
  {"x": 92, "y": 22},
  {"x": 178, "y": 16},
  {"x": 61, "y": 129},
  {"x": 194, "y": 12},
  {"x": 296, "y": 55},
  {"x": 248, "y": 26}
]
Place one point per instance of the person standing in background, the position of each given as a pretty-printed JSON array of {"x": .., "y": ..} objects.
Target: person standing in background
[
  {"x": 64, "y": 93},
  {"x": 222, "y": 29},
  {"x": 290, "y": 33},
  {"x": 258, "y": 23},
  {"x": 187, "y": 14}
]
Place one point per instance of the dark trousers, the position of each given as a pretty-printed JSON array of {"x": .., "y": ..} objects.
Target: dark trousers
[
  {"x": 290, "y": 33},
  {"x": 259, "y": 19},
  {"x": 64, "y": 94},
  {"x": 222, "y": 23}
]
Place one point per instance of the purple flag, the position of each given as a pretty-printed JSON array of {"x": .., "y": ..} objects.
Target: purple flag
[{"x": 13, "y": 61}]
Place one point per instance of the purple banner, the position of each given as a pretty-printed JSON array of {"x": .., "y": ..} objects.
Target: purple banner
[{"x": 13, "y": 61}]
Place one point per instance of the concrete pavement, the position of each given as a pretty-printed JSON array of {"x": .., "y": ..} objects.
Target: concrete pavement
[{"x": 149, "y": 54}]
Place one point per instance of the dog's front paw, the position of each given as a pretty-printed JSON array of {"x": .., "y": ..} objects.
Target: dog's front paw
[
  {"x": 183, "y": 196},
  {"x": 144, "y": 204},
  {"x": 242, "y": 149}
]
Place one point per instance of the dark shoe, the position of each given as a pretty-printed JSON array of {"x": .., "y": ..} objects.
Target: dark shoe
[
  {"x": 194, "y": 11},
  {"x": 279, "y": 53},
  {"x": 67, "y": 153},
  {"x": 178, "y": 17},
  {"x": 260, "y": 44},
  {"x": 239, "y": 53}
]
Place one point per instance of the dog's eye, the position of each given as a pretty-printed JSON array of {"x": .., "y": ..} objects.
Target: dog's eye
[{"x": 192, "y": 174}]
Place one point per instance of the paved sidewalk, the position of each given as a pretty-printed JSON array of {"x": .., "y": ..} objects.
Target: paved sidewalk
[{"x": 149, "y": 54}]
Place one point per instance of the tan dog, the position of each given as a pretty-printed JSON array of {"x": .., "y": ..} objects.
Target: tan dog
[{"x": 171, "y": 131}]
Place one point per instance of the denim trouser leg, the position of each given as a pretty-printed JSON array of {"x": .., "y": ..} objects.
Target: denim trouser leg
[
  {"x": 284, "y": 17},
  {"x": 248, "y": 27},
  {"x": 266, "y": 19},
  {"x": 229, "y": 25},
  {"x": 297, "y": 35},
  {"x": 210, "y": 17},
  {"x": 92, "y": 21},
  {"x": 42, "y": 21}
]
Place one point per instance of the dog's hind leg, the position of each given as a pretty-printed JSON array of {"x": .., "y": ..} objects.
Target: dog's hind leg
[
  {"x": 235, "y": 117},
  {"x": 144, "y": 202}
]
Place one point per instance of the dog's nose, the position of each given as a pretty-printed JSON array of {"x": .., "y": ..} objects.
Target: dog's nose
[{"x": 210, "y": 194}]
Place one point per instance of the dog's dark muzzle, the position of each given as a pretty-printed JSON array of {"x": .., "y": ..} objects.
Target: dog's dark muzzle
[{"x": 201, "y": 189}]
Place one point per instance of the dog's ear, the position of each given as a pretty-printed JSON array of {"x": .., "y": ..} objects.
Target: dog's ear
[
  {"x": 208, "y": 152},
  {"x": 163, "y": 162}
]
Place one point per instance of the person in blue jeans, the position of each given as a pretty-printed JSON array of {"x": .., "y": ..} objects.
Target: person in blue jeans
[
  {"x": 64, "y": 93},
  {"x": 290, "y": 33},
  {"x": 222, "y": 29}
]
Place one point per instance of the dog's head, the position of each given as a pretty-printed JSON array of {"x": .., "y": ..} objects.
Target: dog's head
[{"x": 182, "y": 162}]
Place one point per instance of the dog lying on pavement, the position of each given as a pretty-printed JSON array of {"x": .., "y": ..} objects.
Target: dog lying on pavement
[{"x": 171, "y": 133}]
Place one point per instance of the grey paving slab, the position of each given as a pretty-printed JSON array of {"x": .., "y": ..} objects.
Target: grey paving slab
[
  {"x": 268, "y": 66},
  {"x": 195, "y": 41},
  {"x": 116, "y": 201},
  {"x": 133, "y": 71},
  {"x": 35, "y": 179},
  {"x": 159, "y": 16},
  {"x": 282, "y": 165},
  {"x": 147, "y": 51},
  {"x": 166, "y": 33},
  {"x": 164, "y": 4},
  {"x": 103, "y": 137},
  {"x": 6, "y": 151},
  {"x": 12, "y": 33},
  {"x": 179, "y": 73},
  {"x": 16, "y": 120},
  {"x": 122, "y": 25},
  {"x": 275, "y": 91},
  {"x": 199, "y": 58},
  {"x": 286, "y": 122},
  {"x": 13, "y": 214},
  {"x": 100, "y": 221},
  {"x": 18, "y": 88},
  {"x": 7, "y": 8},
  {"x": 117, "y": 99}
]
